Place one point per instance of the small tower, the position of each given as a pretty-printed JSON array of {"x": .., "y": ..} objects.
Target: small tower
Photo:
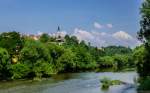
[
  {"x": 59, "y": 37},
  {"x": 58, "y": 32}
]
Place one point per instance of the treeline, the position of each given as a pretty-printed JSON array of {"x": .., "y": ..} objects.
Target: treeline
[{"x": 22, "y": 56}]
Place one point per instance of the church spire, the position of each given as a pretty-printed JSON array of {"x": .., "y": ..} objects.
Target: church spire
[
  {"x": 59, "y": 37},
  {"x": 58, "y": 29}
]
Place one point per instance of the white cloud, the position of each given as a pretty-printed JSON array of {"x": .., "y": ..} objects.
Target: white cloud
[
  {"x": 97, "y": 25},
  {"x": 82, "y": 34},
  {"x": 122, "y": 35},
  {"x": 105, "y": 39},
  {"x": 98, "y": 33},
  {"x": 109, "y": 25}
]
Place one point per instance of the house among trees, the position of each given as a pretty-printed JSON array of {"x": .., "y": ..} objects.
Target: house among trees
[{"x": 35, "y": 37}]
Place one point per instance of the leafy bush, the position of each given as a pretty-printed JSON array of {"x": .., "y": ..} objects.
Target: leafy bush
[
  {"x": 19, "y": 71},
  {"x": 4, "y": 64},
  {"x": 66, "y": 62},
  {"x": 144, "y": 84},
  {"x": 37, "y": 57},
  {"x": 106, "y": 83},
  {"x": 42, "y": 68}
]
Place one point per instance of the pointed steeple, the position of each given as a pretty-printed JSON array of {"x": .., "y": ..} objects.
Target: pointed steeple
[{"x": 58, "y": 29}]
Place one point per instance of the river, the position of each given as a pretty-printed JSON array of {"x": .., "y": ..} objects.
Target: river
[{"x": 87, "y": 82}]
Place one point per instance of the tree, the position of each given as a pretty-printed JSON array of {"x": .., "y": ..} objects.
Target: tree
[
  {"x": 144, "y": 36},
  {"x": 19, "y": 70},
  {"x": 41, "y": 68},
  {"x": 96, "y": 52},
  {"x": 12, "y": 41},
  {"x": 71, "y": 41},
  {"x": 139, "y": 59},
  {"x": 56, "y": 52},
  {"x": 66, "y": 61},
  {"x": 121, "y": 61},
  {"x": 4, "y": 64},
  {"x": 112, "y": 50},
  {"x": 83, "y": 44},
  {"x": 84, "y": 60},
  {"x": 35, "y": 55},
  {"x": 106, "y": 62},
  {"x": 44, "y": 38}
]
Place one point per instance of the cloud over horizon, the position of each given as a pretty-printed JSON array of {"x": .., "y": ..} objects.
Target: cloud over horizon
[
  {"x": 122, "y": 35},
  {"x": 102, "y": 39}
]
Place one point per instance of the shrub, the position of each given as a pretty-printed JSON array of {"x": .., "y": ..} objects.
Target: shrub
[
  {"x": 144, "y": 84},
  {"x": 19, "y": 71}
]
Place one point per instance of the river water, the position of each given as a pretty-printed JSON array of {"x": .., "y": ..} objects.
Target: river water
[{"x": 88, "y": 82}]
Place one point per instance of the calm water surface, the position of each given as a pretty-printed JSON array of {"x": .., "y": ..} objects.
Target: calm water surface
[{"x": 71, "y": 83}]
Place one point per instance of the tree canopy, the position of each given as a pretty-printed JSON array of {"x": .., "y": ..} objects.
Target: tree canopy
[{"x": 24, "y": 57}]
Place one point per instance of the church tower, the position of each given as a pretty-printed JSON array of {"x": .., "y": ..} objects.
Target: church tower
[{"x": 59, "y": 37}]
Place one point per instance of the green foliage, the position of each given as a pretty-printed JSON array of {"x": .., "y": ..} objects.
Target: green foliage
[
  {"x": 117, "y": 62},
  {"x": 106, "y": 61},
  {"x": 66, "y": 61},
  {"x": 112, "y": 50},
  {"x": 122, "y": 61},
  {"x": 42, "y": 68},
  {"x": 138, "y": 54},
  {"x": 117, "y": 57},
  {"x": 56, "y": 52},
  {"x": 71, "y": 41},
  {"x": 142, "y": 53},
  {"x": 35, "y": 55},
  {"x": 33, "y": 51},
  {"x": 144, "y": 83},
  {"x": 83, "y": 59},
  {"x": 106, "y": 83},
  {"x": 96, "y": 53},
  {"x": 144, "y": 35},
  {"x": 139, "y": 59},
  {"x": 4, "y": 63},
  {"x": 116, "y": 82},
  {"x": 44, "y": 38},
  {"x": 25, "y": 57},
  {"x": 12, "y": 41},
  {"x": 19, "y": 71}
]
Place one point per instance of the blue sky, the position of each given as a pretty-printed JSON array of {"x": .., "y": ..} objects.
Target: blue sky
[{"x": 32, "y": 16}]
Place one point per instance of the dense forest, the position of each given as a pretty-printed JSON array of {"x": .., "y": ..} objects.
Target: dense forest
[{"x": 22, "y": 56}]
